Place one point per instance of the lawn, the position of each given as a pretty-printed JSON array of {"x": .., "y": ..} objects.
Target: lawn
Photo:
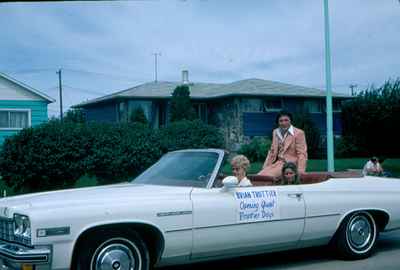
[{"x": 391, "y": 165}]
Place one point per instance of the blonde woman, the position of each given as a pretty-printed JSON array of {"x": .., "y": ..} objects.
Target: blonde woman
[{"x": 240, "y": 164}]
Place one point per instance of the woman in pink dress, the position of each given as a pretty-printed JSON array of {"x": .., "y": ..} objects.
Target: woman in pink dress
[{"x": 288, "y": 145}]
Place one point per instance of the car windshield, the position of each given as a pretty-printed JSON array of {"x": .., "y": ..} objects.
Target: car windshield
[{"x": 189, "y": 169}]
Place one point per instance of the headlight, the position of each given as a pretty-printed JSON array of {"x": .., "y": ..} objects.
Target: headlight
[{"x": 22, "y": 226}]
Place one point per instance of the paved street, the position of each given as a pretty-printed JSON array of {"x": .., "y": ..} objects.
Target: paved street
[{"x": 386, "y": 257}]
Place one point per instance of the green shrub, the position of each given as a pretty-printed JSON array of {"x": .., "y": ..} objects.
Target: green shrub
[
  {"x": 75, "y": 115},
  {"x": 45, "y": 157},
  {"x": 120, "y": 152},
  {"x": 304, "y": 121},
  {"x": 190, "y": 134},
  {"x": 256, "y": 150},
  {"x": 56, "y": 154},
  {"x": 345, "y": 147}
]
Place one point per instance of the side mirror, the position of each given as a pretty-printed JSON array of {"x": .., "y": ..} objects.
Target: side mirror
[{"x": 230, "y": 182}]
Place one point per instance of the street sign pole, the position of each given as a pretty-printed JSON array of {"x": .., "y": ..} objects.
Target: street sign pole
[{"x": 329, "y": 114}]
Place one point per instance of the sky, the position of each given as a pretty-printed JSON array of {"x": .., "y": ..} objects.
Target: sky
[{"x": 104, "y": 47}]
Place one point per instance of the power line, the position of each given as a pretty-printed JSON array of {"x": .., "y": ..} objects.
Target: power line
[
  {"x": 27, "y": 71},
  {"x": 101, "y": 74},
  {"x": 85, "y": 90}
]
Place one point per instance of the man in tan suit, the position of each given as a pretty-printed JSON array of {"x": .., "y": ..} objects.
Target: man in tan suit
[{"x": 288, "y": 145}]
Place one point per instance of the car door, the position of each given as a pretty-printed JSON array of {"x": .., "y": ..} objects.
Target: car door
[{"x": 227, "y": 223}]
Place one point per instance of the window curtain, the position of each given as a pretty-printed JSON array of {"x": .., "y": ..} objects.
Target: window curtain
[
  {"x": 145, "y": 105},
  {"x": 18, "y": 119}
]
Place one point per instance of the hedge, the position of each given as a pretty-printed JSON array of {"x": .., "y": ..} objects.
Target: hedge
[
  {"x": 56, "y": 154},
  {"x": 190, "y": 134}
]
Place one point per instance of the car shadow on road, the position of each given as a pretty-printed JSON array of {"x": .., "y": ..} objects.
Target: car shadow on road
[
  {"x": 283, "y": 260},
  {"x": 280, "y": 259}
]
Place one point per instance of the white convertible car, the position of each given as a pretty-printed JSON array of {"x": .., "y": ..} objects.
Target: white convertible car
[{"x": 176, "y": 212}]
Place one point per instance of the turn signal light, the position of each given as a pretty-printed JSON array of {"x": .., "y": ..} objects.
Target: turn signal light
[{"x": 28, "y": 267}]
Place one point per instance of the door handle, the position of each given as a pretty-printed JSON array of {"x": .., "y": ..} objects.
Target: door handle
[{"x": 295, "y": 195}]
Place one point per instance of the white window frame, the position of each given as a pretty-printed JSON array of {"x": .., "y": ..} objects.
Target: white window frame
[
  {"x": 18, "y": 110},
  {"x": 320, "y": 105}
]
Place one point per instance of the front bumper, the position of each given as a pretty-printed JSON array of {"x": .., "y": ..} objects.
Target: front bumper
[{"x": 13, "y": 257}]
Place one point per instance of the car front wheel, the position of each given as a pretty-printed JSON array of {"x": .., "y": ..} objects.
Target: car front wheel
[
  {"x": 357, "y": 236},
  {"x": 114, "y": 251}
]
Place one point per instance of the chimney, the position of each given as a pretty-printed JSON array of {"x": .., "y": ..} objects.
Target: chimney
[{"x": 185, "y": 77}]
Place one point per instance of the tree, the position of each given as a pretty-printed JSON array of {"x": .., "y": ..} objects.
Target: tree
[
  {"x": 138, "y": 116},
  {"x": 304, "y": 121},
  {"x": 369, "y": 120},
  {"x": 75, "y": 116},
  {"x": 181, "y": 107}
]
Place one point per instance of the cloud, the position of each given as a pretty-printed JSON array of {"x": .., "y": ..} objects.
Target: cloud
[{"x": 218, "y": 41}]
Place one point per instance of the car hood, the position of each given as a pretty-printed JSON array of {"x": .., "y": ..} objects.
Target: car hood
[{"x": 93, "y": 195}]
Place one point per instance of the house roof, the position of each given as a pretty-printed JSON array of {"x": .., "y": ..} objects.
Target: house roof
[
  {"x": 248, "y": 87},
  {"x": 28, "y": 88}
]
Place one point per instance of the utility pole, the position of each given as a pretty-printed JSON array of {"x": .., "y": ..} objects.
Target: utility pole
[
  {"x": 155, "y": 64},
  {"x": 328, "y": 77},
  {"x": 60, "y": 90},
  {"x": 352, "y": 86}
]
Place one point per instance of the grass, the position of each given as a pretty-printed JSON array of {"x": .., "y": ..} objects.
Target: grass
[
  {"x": 391, "y": 165},
  {"x": 317, "y": 165}
]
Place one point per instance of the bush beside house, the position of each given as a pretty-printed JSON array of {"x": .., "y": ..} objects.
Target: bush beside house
[
  {"x": 56, "y": 154},
  {"x": 304, "y": 121},
  {"x": 44, "y": 157},
  {"x": 257, "y": 149},
  {"x": 190, "y": 134}
]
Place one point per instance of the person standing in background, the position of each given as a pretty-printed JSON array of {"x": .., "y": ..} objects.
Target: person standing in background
[{"x": 373, "y": 167}]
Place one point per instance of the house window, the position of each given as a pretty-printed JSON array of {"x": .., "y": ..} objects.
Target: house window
[
  {"x": 201, "y": 111},
  {"x": 122, "y": 111},
  {"x": 314, "y": 106},
  {"x": 272, "y": 104},
  {"x": 146, "y": 106},
  {"x": 14, "y": 119},
  {"x": 337, "y": 105}
]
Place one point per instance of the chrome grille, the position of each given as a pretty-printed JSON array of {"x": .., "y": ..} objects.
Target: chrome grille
[
  {"x": 7, "y": 232},
  {"x": 7, "y": 229}
]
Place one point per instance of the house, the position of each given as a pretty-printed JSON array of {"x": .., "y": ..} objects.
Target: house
[
  {"x": 21, "y": 106},
  {"x": 241, "y": 109}
]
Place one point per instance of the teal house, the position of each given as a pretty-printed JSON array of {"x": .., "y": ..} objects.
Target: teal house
[{"x": 21, "y": 106}]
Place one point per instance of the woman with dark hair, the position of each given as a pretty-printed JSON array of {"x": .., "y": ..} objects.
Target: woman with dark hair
[
  {"x": 290, "y": 175},
  {"x": 288, "y": 145}
]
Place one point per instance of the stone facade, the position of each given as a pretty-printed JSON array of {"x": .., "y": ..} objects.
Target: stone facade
[{"x": 227, "y": 114}]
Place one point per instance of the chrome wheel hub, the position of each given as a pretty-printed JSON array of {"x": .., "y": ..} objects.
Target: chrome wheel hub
[
  {"x": 115, "y": 257},
  {"x": 359, "y": 232}
]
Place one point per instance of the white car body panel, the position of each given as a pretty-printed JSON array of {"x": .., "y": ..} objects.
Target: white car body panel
[
  {"x": 216, "y": 231},
  {"x": 202, "y": 223}
]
